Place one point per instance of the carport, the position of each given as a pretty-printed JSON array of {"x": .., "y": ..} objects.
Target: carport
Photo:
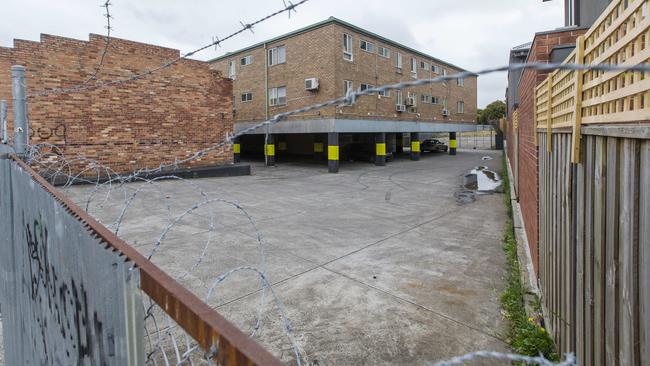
[{"x": 326, "y": 139}]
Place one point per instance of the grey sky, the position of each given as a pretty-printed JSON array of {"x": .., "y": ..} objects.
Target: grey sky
[{"x": 473, "y": 34}]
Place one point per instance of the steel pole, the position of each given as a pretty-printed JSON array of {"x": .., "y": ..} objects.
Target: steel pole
[{"x": 21, "y": 126}]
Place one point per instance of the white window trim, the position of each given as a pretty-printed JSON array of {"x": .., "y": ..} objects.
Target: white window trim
[
  {"x": 435, "y": 100},
  {"x": 347, "y": 51},
  {"x": 274, "y": 55},
  {"x": 398, "y": 60},
  {"x": 274, "y": 98},
  {"x": 398, "y": 97},
  {"x": 247, "y": 100},
  {"x": 414, "y": 67},
  {"x": 368, "y": 43},
  {"x": 232, "y": 69},
  {"x": 248, "y": 60},
  {"x": 368, "y": 86},
  {"x": 386, "y": 49},
  {"x": 460, "y": 81},
  {"x": 460, "y": 107},
  {"x": 385, "y": 94},
  {"x": 347, "y": 85}
]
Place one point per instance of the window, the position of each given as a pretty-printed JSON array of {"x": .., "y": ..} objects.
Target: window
[
  {"x": 444, "y": 104},
  {"x": 347, "y": 47},
  {"x": 435, "y": 69},
  {"x": 347, "y": 86},
  {"x": 435, "y": 100},
  {"x": 398, "y": 97},
  {"x": 460, "y": 81},
  {"x": 246, "y": 60},
  {"x": 383, "y": 52},
  {"x": 278, "y": 96},
  {"x": 424, "y": 98},
  {"x": 277, "y": 55},
  {"x": 366, "y": 46},
  {"x": 363, "y": 87},
  {"x": 424, "y": 65},
  {"x": 385, "y": 93},
  {"x": 444, "y": 72},
  {"x": 232, "y": 71},
  {"x": 398, "y": 60},
  {"x": 460, "y": 107},
  {"x": 414, "y": 67},
  {"x": 246, "y": 97}
]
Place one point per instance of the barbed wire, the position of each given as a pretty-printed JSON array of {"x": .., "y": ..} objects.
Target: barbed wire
[
  {"x": 288, "y": 8},
  {"x": 167, "y": 343},
  {"x": 511, "y": 357}
]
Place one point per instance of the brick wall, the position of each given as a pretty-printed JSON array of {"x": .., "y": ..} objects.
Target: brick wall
[
  {"x": 167, "y": 115},
  {"x": 528, "y": 188},
  {"x": 319, "y": 53}
]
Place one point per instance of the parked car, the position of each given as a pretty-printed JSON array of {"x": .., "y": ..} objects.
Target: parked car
[
  {"x": 358, "y": 151},
  {"x": 433, "y": 145}
]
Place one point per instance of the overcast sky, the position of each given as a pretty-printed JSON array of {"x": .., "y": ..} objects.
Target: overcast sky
[{"x": 473, "y": 34}]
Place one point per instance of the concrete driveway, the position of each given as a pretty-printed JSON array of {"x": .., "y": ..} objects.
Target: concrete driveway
[{"x": 374, "y": 265}]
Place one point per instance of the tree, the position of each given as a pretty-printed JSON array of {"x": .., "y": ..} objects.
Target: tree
[{"x": 492, "y": 111}]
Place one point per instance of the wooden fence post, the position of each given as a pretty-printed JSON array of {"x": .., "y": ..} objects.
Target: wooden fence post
[{"x": 577, "y": 113}]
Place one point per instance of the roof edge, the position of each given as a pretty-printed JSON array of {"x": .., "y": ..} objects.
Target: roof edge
[{"x": 334, "y": 20}]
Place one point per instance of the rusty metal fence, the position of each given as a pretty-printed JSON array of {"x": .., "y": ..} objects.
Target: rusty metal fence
[{"x": 72, "y": 292}]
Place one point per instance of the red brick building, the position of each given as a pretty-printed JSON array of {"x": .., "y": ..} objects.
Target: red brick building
[
  {"x": 551, "y": 46},
  {"x": 142, "y": 123}
]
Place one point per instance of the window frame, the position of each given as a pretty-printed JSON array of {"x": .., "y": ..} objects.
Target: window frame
[
  {"x": 370, "y": 47},
  {"x": 435, "y": 100},
  {"x": 246, "y": 60},
  {"x": 399, "y": 99},
  {"x": 232, "y": 69},
  {"x": 347, "y": 85},
  {"x": 385, "y": 54},
  {"x": 384, "y": 93},
  {"x": 460, "y": 107},
  {"x": 367, "y": 86},
  {"x": 247, "y": 99},
  {"x": 414, "y": 67},
  {"x": 460, "y": 81},
  {"x": 435, "y": 69},
  {"x": 398, "y": 60},
  {"x": 274, "y": 96},
  {"x": 274, "y": 55},
  {"x": 347, "y": 47}
]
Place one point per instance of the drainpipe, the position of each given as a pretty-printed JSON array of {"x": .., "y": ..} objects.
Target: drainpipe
[{"x": 266, "y": 82}]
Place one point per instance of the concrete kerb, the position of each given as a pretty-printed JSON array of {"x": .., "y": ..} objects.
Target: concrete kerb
[{"x": 523, "y": 249}]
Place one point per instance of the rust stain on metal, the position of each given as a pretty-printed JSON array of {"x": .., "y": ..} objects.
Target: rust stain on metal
[{"x": 199, "y": 320}]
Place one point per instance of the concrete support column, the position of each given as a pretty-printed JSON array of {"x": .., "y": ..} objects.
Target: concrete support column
[
  {"x": 453, "y": 143},
  {"x": 415, "y": 146},
  {"x": 319, "y": 147},
  {"x": 269, "y": 151},
  {"x": 333, "y": 152},
  {"x": 380, "y": 149},
  {"x": 236, "y": 150}
]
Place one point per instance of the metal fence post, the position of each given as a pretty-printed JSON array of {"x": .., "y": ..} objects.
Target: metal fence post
[
  {"x": 21, "y": 126},
  {"x": 3, "y": 121}
]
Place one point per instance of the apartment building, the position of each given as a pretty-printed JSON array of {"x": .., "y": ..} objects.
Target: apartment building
[{"x": 322, "y": 62}]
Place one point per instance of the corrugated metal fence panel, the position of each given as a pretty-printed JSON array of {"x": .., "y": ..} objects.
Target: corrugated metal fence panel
[
  {"x": 66, "y": 299},
  {"x": 594, "y": 247}
]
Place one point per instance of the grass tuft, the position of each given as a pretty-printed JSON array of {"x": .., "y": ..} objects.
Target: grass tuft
[{"x": 525, "y": 336}]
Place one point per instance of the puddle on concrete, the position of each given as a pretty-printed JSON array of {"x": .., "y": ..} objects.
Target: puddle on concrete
[{"x": 479, "y": 180}]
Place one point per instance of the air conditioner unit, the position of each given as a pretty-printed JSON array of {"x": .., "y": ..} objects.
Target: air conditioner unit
[
  {"x": 410, "y": 101},
  {"x": 445, "y": 112},
  {"x": 311, "y": 84},
  {"x": 400, "y": 108}
]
